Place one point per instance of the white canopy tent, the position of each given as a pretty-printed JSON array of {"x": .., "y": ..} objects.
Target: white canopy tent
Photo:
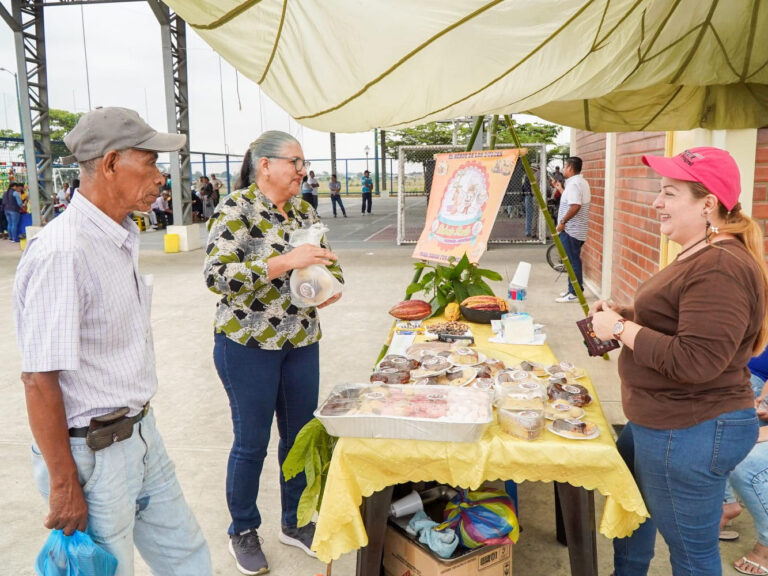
[{"x": 602, "y": 65}]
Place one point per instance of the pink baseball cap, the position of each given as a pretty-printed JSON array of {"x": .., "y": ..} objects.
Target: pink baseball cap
[{"x": 713, "y": 167}]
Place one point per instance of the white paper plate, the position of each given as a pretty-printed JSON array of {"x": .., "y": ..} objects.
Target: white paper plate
[
  {"x": 571, "y": 436},
  {"x": 469, "y": 374},
  {"x": 480, "y": 359}
]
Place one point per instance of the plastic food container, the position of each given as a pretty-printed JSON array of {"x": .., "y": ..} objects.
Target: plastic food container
[
  {"x": 525, "y": 424},
  {"x": 440, "y": 413},
  {"x": 526, "y": 395}
]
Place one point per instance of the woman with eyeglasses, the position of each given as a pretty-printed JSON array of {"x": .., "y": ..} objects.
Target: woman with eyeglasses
[{"x": 266, "y": 349}]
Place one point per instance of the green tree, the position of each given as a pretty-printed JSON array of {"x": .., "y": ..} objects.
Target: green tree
[
  {"x": 61, "y": 122},
  {"x": 435, "y": 133}
]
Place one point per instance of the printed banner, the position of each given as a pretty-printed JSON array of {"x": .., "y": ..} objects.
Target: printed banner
[{"x": 467, "y": 190}]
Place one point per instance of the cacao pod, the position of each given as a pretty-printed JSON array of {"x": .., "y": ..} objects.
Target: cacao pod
[
  {"x": 411, "y": 310},
  {"x": 482, "y": 303},
  {"x": 452, "y": 312}
]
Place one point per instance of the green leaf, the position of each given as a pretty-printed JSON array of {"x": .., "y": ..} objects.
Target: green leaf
[
  {"x": 477, "y": 290},
  {"x": 462, "y": 265},
  {"x": 413, "y": 288},
  {"x": 483, "y": 286},
  {"x": 420, "y": 265},
  {"x": 490, "y": 274},
  {"x": 460, "y": 291}
]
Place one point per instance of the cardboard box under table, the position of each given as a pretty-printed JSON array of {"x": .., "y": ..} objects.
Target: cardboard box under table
[
  {"x": 363, "y": 471},
  {"x": 402, "y": 555}
]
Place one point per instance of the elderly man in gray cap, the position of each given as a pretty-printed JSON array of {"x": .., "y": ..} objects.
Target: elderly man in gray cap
[{"x": 82, "y": 320}]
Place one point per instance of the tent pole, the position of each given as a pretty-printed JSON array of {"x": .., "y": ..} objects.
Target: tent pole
[{"x": 550, "y": 223}]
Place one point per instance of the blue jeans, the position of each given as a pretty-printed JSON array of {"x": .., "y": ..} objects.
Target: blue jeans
[
  {"x": 260, "y": 384},
  {"x": 337, "y": 200},
  {"x": 13, "y": 219},
  {"x": 529, "y": 214},
  {"x": 133, "y": 497},
  {"x": 681, "y": 475},
  {"x": 572, "y": 248},
  {"x": 367, "y": 201},
  {"x": 750, "y": 480}
]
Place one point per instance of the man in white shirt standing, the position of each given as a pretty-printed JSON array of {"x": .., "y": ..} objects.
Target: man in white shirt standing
[
  {"x": 82, "y": 315},
  {"x": 315, "y": 187},
  {"x": 573, "y": 220}
]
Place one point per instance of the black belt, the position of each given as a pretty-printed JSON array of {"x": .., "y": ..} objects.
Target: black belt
[{"x": 82, "y": 432}]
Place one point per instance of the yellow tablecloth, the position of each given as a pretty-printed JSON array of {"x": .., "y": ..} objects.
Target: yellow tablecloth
[{"x": 361, "y": 467}]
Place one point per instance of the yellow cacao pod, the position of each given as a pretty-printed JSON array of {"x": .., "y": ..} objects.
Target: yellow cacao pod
[{"x": 452, "y": 312}]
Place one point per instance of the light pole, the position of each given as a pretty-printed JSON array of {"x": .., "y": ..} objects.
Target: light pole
[
  {"x": 367, "y": 151},
  {"x": 18, "y": 98}
]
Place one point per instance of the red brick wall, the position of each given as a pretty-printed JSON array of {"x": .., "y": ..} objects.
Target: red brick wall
[
  {"x": 590, "y": 147},
  {"x": 760, "y": 198},
  {"x": 636, "y": 235},
  {"x": 636, "y": 229}
]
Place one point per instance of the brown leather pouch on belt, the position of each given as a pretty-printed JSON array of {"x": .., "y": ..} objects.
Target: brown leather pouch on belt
[{"x": 105, "y": 430}]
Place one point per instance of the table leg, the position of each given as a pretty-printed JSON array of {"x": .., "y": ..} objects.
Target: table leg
[
  {"x": 578, "y": 506},
  {"x": 375, "y": 511},
  {"x": 559, "y": 524}
]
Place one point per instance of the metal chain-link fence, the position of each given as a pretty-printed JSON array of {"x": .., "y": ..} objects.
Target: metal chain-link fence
[{"x": 518, "y": 219}]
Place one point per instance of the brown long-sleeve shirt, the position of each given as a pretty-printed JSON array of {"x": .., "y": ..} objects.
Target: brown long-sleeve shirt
[{"x": 700, "y": 318}]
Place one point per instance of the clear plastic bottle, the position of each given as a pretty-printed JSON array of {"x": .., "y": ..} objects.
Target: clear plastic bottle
[{"x": 517, "y": 298}]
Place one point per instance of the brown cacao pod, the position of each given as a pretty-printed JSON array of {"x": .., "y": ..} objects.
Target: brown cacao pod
[{"x": 411, "y": 310}]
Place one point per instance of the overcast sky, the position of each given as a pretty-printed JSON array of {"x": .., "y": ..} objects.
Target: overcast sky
[{"x": 125, "y": 69}]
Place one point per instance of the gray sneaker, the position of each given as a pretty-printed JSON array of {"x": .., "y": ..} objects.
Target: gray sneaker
[
  {"x": 299, "y": 537},
  {"x": 246, "y": 549}
]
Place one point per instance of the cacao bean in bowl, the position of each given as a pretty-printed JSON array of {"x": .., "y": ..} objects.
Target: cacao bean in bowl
[{"x": 480, "y": 316}]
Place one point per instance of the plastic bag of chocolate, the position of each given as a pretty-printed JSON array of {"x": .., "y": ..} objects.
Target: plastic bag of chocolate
[{"x": 313, "y": 285}]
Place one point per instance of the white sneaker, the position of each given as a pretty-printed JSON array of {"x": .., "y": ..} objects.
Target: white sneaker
[
  {"x": 567, "y": 298},
  {"x": 564, "y": 293}
]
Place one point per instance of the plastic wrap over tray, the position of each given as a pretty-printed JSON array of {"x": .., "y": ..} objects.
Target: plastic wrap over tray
[{"x": 439, "y": 413}]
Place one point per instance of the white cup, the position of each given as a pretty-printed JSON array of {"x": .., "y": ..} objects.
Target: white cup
[{"x": 406, "y": 505}]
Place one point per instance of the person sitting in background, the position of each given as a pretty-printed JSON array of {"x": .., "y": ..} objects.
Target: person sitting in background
[
  {"x": 197, "y": 204},
  {"x": 163, "y": 211},
  {"x": 748, "y": 480}
]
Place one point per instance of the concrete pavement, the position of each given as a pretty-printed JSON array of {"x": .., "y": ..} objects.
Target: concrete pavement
[{"x": 193, "y": 414}]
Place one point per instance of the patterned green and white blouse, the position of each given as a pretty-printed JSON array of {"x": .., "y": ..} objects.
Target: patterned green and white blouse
[{"x": 245, "y": 231}]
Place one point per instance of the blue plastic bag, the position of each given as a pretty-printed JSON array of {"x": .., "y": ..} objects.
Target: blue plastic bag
[{"x": 75, "y": 555}]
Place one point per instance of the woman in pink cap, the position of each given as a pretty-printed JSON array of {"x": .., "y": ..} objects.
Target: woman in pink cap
[{"x": 684, "y": 380}]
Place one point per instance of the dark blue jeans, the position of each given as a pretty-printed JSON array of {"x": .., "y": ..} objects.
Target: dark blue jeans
[
  {"x": 261, "y": 383},
  {"x": 337, "y": 200},
  {"x": 573, "y": 251},
  {"x": 367, "y": 200},
  {"x": 681, "y": 475}
]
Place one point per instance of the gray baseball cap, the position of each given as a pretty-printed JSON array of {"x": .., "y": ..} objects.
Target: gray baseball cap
[{"x": 105, "y": 129}]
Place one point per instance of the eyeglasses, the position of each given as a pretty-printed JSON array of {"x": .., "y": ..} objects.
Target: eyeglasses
[{"x": 298, "y": 163}]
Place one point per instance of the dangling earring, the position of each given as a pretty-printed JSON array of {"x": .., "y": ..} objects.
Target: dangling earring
[{"x": 710, "y": 229}]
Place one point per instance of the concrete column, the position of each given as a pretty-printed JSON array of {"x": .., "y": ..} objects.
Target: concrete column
[
  {"x": 189, "y": 236},
  {"x": 609, "y": 202}
]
